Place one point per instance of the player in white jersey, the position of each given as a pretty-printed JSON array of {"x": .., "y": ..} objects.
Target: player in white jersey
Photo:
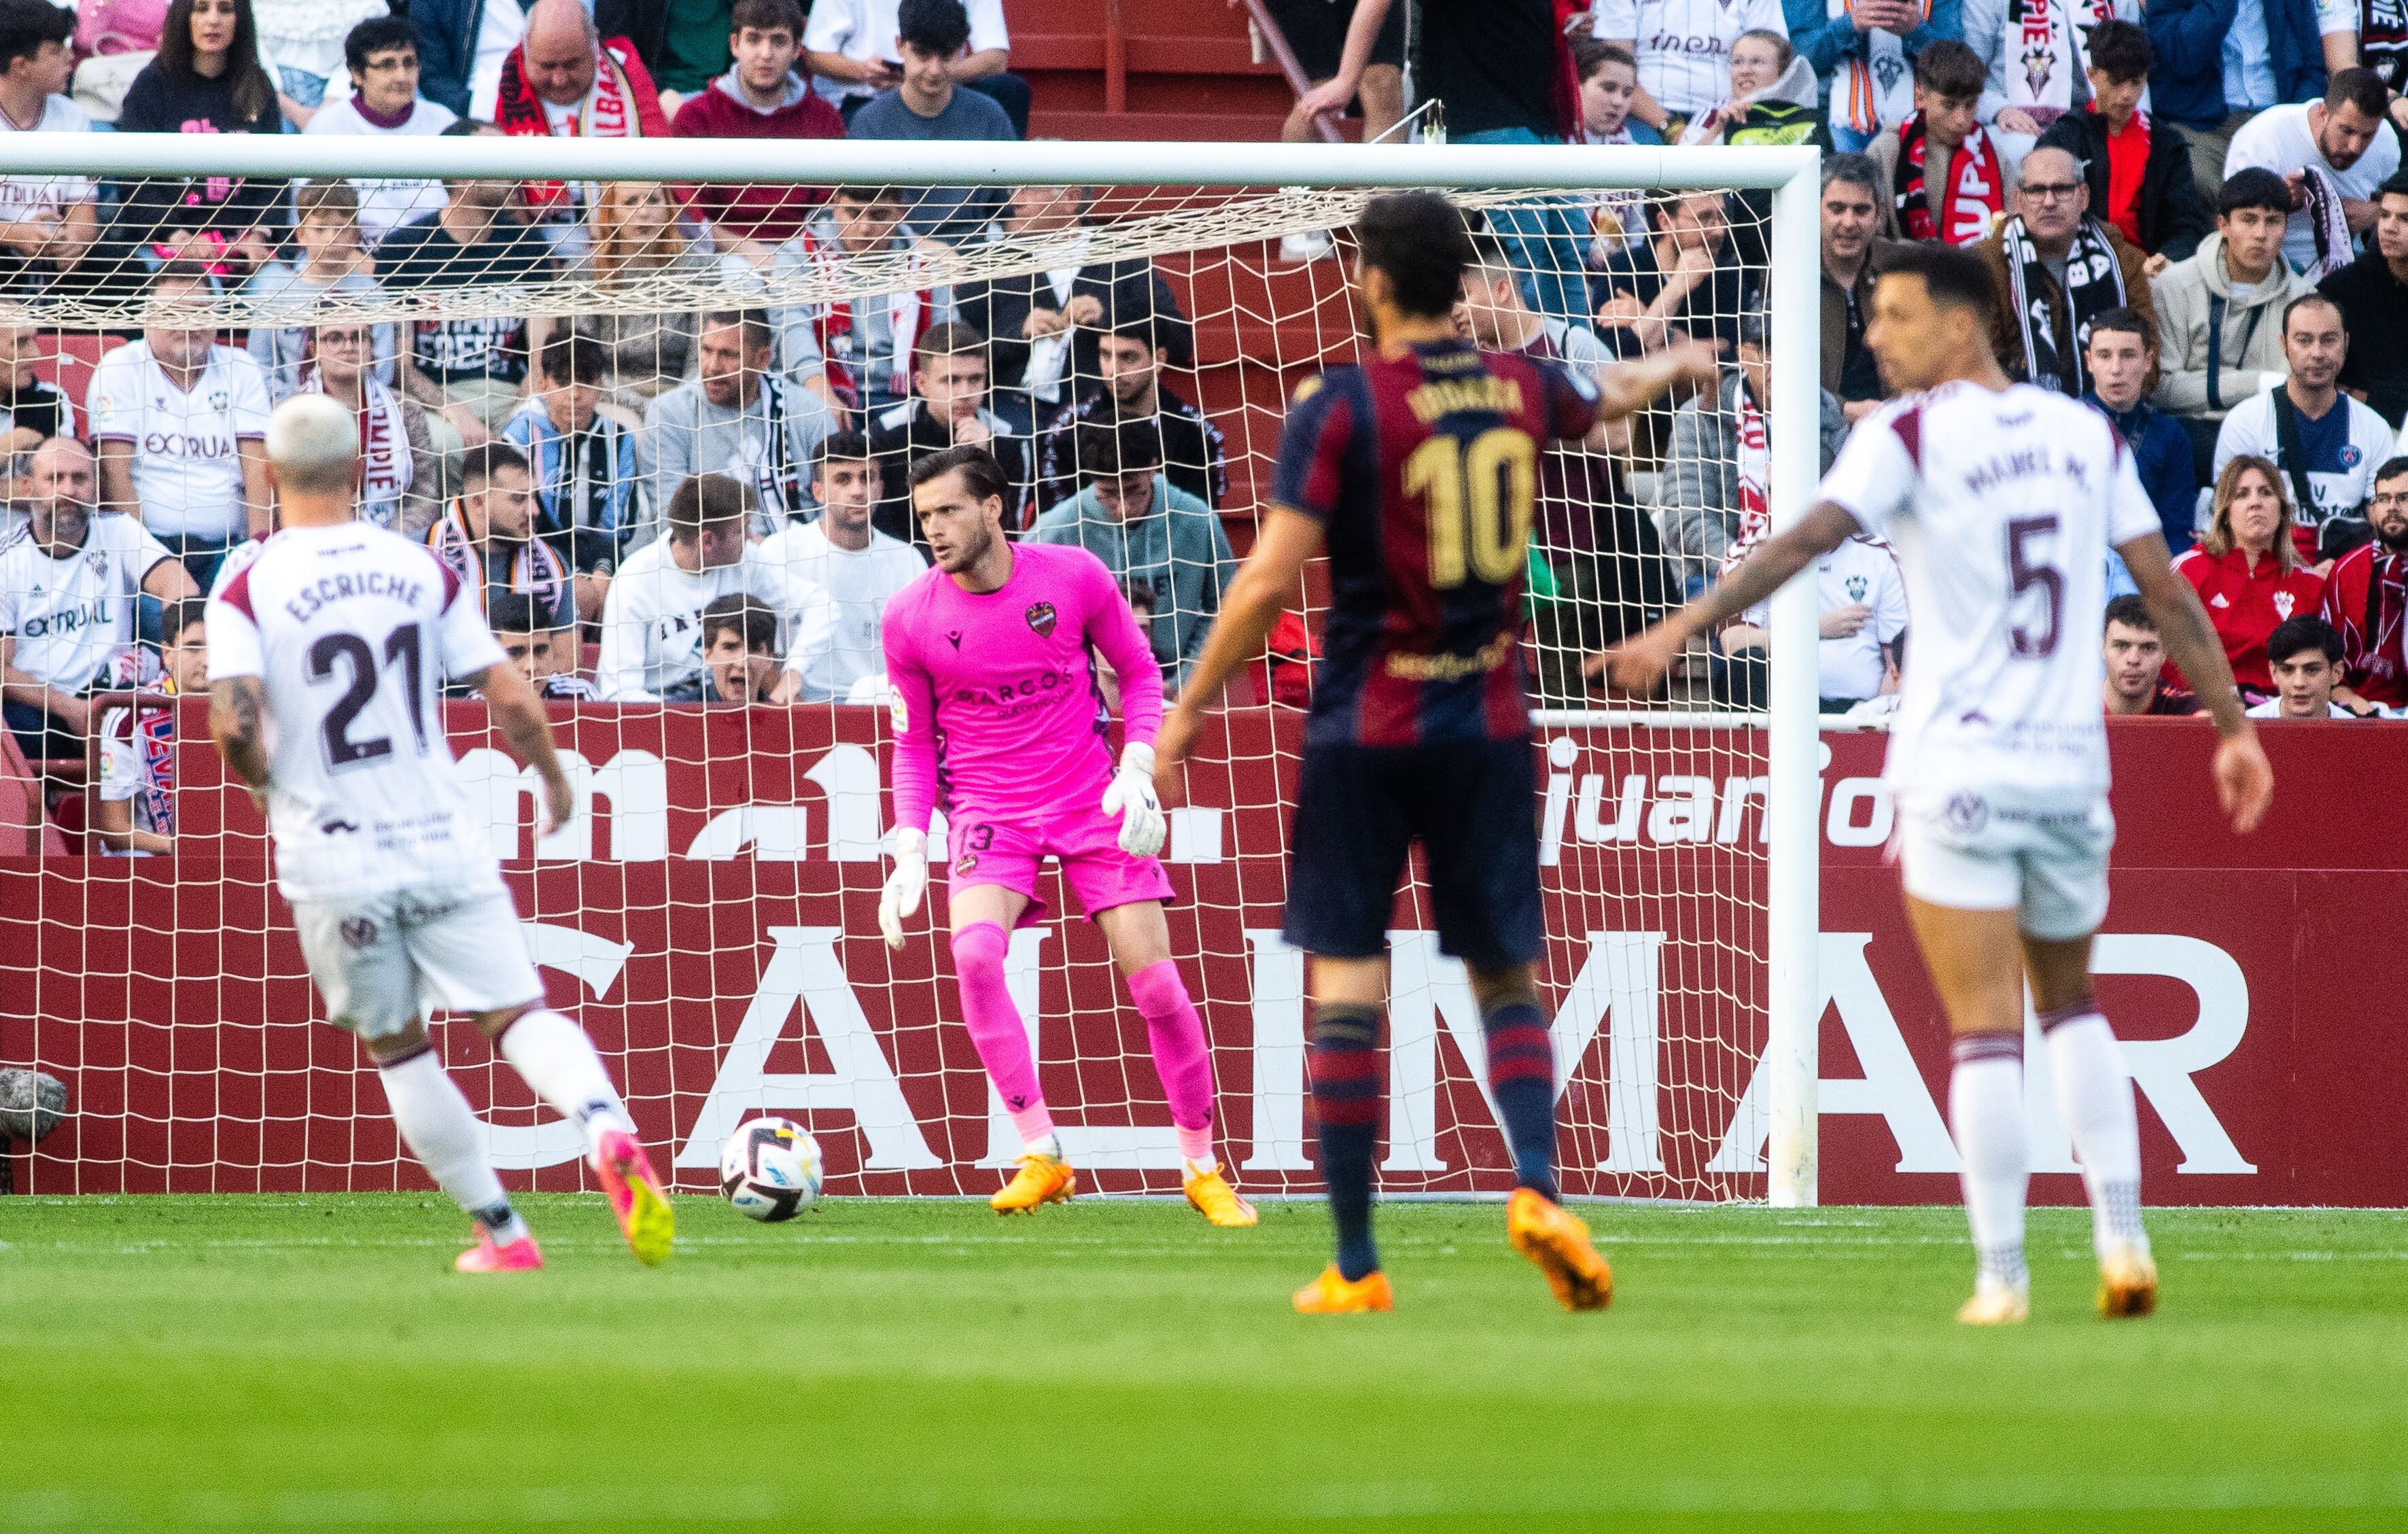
[
  {"x": 2001, "y": 501},
  {"x": 327, "y": 659}
]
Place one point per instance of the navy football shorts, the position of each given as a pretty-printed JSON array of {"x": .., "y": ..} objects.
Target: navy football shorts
[{"x": 1473, "y": 807}]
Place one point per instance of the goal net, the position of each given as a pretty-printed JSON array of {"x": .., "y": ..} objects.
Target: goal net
[{"x": 1125, "y": 326}]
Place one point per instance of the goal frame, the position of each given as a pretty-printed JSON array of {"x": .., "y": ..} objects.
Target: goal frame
[{"x": 1791, "y": 1064}]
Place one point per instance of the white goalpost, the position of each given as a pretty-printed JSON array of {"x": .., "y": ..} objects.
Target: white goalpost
[{"x": 712, "y": 921}]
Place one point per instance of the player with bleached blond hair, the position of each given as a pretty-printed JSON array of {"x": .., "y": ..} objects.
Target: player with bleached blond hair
[
  {"x": 2001, "y": 501},
  {"x": 328, "y": 654}
]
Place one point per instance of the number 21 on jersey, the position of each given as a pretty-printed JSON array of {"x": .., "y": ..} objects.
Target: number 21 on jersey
[
  {"x": 1478, "y": 496},
  {"x": 357, "y": 660}
]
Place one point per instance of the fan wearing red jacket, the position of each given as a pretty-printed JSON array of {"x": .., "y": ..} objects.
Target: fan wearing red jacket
[
  {"x": 760, "y": 98},
  {"x": 2247, "y": 572},
  {"x": 566, "y": 80},
  {"x": 2366, "y": 599}
]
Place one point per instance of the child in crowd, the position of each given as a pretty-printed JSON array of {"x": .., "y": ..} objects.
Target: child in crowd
[{"x": 329, "y": 259}]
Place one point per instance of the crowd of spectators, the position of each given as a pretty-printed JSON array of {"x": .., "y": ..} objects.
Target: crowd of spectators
[{"x": 2194, "y": 215}]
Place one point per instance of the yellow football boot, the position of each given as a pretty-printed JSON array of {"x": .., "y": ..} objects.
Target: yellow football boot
[
  {"x": 2127, "y": 1284},
  {"x": 1332, "y": 1295},
  {"x": 1557, "y": 1240},
  {"x": 1218, "y": 1202},
  {"x": 1041, "y": 1180},
  {"x": 1995, "y": 1304}
]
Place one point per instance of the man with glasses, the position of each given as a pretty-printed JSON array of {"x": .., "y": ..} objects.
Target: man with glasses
[
  {"x": 2057, "y": 270},
  {"x": 2366, "y": 599}
]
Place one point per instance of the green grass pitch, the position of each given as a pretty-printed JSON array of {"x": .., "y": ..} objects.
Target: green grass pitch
[{"x": 289, "y": 1362}]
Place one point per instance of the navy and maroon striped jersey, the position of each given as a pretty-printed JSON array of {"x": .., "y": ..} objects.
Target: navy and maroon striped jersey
[{"x": 1422, "y": 469}]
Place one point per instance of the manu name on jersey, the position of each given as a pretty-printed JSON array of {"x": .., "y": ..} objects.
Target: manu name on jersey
[{"x": 2001, "y": 507}]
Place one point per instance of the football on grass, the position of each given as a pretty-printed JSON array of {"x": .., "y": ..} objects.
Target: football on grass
[{"x": 770, "y": 1169}]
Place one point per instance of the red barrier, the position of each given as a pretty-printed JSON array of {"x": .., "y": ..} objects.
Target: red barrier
[{"x": 713, "y": 924}]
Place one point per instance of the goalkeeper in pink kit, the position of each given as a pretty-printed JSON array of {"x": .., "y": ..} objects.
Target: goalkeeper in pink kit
[{"x": 1000, "y": 721}]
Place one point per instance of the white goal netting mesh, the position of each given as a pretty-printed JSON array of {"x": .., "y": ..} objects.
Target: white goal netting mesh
[{"x": 538, "y": 368}]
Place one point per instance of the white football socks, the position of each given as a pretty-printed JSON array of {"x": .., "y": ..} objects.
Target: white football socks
[
  {"x": 1046, "y": 1144},
  {"x": 2094, "y": 1095},
  {"x": 557, "y": 1062},
  {"x": 1985, "y": 1111},
  {"x": 442, "y": 1132}
]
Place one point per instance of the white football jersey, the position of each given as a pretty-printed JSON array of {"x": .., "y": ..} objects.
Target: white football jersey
[
  {"x": 2001, "y": 507},
  {"x": 187, "y": 455},
  {"x": 353, "y": 630},
  {"x": 69, "y": 616}
]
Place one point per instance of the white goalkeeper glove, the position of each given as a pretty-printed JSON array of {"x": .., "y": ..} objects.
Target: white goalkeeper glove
[
  {"x": 1131, "y": 797},
  {"x": 904, "y": 886}
]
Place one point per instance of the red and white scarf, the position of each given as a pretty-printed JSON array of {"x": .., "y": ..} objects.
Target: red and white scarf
[
  {"x": 386, "y": 464},
  {"x": 1755, "y": 483},
  {"x": 1976, "y": 195},
  {"x": 608, "y": 111},
  {"x": 841, "y": 344}
]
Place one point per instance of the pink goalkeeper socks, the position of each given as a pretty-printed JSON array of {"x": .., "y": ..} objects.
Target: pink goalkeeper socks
[
  {"x": 996, "y": 1026},
  {"x": 1181, "y": 1057}
]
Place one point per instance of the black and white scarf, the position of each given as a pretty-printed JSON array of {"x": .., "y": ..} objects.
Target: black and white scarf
[
  {"x": 781, "y": 481},
  {"x": 2328, "y": 220},
  {"x": 2383, "y": 39},
  {"x": 2094, "y": 283}
]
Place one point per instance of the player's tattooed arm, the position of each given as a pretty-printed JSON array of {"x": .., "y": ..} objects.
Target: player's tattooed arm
[
  {"x": 518, "y": 713},
  {"x": 234, "y": 722},
  {"x": 1636, "y": 667}
]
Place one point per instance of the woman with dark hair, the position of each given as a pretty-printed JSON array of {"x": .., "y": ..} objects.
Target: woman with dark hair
[{"x": 207, "y": 79}]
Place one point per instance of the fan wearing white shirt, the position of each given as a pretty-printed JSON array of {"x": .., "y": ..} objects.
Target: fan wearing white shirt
[
  {"x": 68, "y": 581},
  {"x": 850, "y": 49},
  {"x": 859, "y": 566},
  {"x": 2001, "y": 501},
  {"x": 47, "y": 223},
  {"x": 1683, "y": 50},
  {"x": 178, "y": 419},
  {"x": 652, "y": 620},
  {"x": 381, "y": 54},
  {"x": 2304, "y": 654}
]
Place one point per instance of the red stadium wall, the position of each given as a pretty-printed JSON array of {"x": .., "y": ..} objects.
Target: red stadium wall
[{"x": 713, "y": 924}]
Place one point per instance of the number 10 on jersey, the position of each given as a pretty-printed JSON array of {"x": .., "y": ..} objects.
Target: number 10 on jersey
[{"x": 1479, "y": 497}]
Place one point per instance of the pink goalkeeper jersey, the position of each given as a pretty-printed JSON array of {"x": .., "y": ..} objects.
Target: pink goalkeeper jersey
[{"x": 997, "y": 706}]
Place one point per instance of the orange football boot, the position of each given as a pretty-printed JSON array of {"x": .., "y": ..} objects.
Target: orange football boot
[
  {"x": 1332, "y": 1295},
  {"x": 1557, "y": 1240},
  {"x": 2127, "y": 1285},
  {"x": 1218, "y": 1202},
  {"x": 1041, "y": 1180}
]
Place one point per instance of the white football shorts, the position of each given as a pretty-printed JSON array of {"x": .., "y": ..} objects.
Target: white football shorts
[
  {"x": 2045, "y": 861},
  {"x": 385, "y": 961}
]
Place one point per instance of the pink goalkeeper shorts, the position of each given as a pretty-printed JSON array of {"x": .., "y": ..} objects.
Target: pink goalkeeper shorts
[{"x": 990, "y": 850}]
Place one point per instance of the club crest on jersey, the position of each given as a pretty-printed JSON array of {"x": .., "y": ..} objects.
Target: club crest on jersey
[
  {"x": 1040, "y": 618},
  {"x": 358, "y": 932},
  {"x": 967, "y": 862},
  {"x": 2284, "y": 602},
  {"x": 1856, "y": 588},
  {"x": 1966, "y": 813},
  {"x": 2351, "y": 455},
  {"x": 219, "y": 400}
]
